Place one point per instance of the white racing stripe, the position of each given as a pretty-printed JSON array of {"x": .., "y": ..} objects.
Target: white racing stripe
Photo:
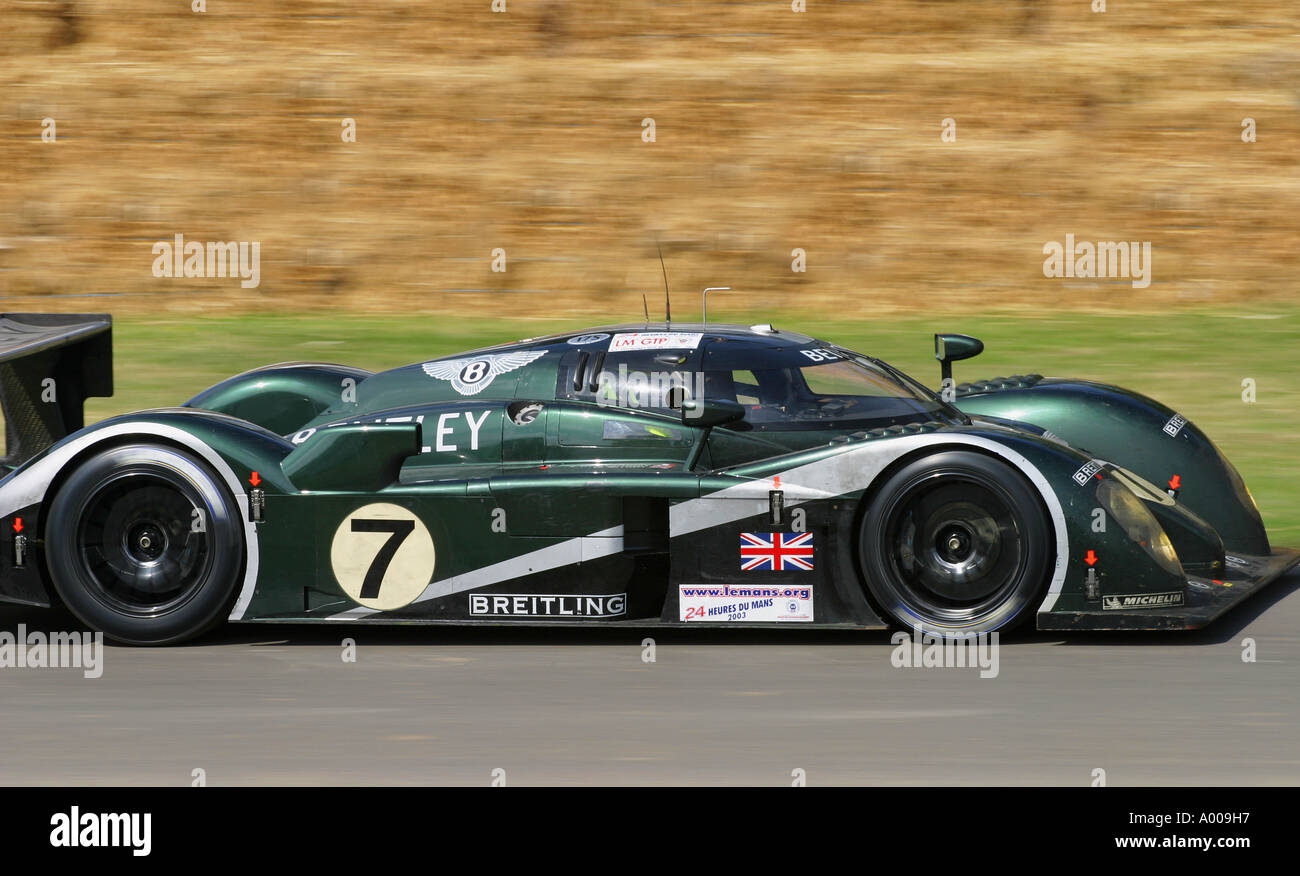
[
  {"x": 565, "y": 553},
  {"x": 826, "y": 478},
  {"x": 29, "y": 486}
]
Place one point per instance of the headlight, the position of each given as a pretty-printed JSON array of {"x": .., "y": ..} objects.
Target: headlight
[{"x": 1140, "y": 524}]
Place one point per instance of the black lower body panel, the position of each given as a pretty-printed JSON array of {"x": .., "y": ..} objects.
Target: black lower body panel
[{"x": 1204, "y": 599}]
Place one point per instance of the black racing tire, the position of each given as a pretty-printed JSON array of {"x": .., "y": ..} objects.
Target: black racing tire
[
  {"x": 956, "y": 543},
  {"x": 123, "y": 551}
]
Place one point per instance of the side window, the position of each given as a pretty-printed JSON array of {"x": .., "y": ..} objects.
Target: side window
[
  {"x": 640, "y": 380},
  {"x": 749, "y": 388},
  {"x": 747, "y": 391}
]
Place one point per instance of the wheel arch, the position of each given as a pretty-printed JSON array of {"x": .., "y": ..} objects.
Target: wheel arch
[
  {"x": 1139, "y": 433},
  {"x": 110, "y": 443},
  {"x": 37, "y": 482},
  {"x": 1049, "y": 504}
]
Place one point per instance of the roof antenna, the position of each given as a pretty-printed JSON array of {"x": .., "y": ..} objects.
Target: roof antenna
[
  {"x": 645, "y": 307},
  {"x": 668, "y": 304}
]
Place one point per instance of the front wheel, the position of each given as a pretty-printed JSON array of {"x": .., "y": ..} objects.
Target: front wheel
[
  {"x": 145, "y": 544},
  {"x": 956, "y": 543}
]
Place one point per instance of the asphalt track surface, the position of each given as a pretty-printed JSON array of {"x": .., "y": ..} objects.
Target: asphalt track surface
[{"x": 270, "y": 705}]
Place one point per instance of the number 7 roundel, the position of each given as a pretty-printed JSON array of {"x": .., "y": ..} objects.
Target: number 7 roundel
[{"x": 382, "y": 556}]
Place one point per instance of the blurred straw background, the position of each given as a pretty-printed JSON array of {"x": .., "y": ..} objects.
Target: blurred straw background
[{"x": 523, "y": 130}]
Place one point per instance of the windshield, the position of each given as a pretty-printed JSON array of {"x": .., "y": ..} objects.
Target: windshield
[{"x": 820, "y": 388}]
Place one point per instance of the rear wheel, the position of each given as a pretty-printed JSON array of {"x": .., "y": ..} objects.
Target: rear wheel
[
  {"x": 956, "y": 543},
  {"x": 145, "y": 544}
]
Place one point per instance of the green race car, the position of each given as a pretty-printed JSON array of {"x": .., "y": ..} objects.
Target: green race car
[{"x": 640, "y": 475}]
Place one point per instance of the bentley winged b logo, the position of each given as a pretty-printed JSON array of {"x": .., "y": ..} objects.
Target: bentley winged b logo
[{"x": 472, "y": 376}]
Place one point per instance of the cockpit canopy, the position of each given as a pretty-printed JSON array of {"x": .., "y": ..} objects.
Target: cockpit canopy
[{"x": 782, "y": 386}]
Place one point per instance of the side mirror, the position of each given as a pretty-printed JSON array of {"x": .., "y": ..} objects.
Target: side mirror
[
  {"x": 952, "y": 348},
  {"x": 709, "y": 412}
]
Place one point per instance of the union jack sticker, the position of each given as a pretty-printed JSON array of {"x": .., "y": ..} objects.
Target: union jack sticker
[{"x": 776, "y": 551}]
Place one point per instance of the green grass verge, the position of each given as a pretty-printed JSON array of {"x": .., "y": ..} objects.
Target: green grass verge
[{"x": 1193, "y": 360}]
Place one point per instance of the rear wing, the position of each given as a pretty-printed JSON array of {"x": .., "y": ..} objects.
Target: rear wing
[{"x": 50, "y": 363}]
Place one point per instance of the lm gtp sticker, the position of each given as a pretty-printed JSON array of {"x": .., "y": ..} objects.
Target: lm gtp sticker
[{"x": 655, "y": 341}]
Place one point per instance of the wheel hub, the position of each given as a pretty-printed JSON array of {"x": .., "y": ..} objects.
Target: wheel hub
[
  {"x": 955, "y": 545},
  {"x": 146, "y": 542},
  {"x": 138, "y": 550}
]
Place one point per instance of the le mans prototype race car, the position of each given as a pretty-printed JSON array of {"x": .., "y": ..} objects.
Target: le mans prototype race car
[{"x": 644, "y": 475}]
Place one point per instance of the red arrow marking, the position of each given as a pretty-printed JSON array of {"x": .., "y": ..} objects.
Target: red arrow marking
[
  {"x": 18, "y": 524},
  {"x": 1091, "y": 558},
  {"x": 254, "y": 479},
  {"x": 1175, "y": 481}
]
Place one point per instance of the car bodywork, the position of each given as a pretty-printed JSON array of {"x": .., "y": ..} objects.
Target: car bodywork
[{"x": 511, "y": 485}]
